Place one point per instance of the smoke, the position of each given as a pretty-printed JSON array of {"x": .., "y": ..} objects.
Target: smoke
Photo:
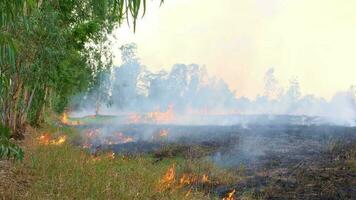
[
  {"x": 341, "y": 109},
  {"x": 198, "y": 98}
]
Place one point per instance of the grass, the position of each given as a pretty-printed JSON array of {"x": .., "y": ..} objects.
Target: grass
[
  {"x": 68, "y": 172},
  {"x": 99, "y": 119}
]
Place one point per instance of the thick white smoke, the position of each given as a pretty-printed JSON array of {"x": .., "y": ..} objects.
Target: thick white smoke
[{"x": 190, "y": 90}]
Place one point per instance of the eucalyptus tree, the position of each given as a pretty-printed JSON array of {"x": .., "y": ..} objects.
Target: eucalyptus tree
[{"x": 44, "y": 53}]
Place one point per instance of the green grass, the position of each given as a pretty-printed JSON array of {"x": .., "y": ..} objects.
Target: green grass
[
  {"x": 68, "y": 173},
  {"x": 100, "y": 119}
]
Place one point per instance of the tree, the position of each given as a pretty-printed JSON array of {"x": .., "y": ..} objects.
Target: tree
[{"x": 44, "y": 53}]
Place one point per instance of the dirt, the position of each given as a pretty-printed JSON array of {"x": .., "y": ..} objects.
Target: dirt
[{"x": 15, "y": 178}]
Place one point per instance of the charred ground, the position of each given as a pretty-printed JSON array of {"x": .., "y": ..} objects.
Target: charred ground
[{"x": 273, "y": 161}]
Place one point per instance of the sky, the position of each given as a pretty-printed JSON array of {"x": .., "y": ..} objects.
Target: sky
[{"x": 239, "y": 40}]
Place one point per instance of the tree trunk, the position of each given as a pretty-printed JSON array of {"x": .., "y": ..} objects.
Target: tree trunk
[{"x": 97, "y": 108}]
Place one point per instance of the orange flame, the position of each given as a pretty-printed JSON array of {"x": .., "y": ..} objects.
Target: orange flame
[
  {"x": 134, "y": 118},
  {"x": 163, "y": 133},
  {"x": 161, "y": 117},
  {"x": 185, "y": 180},
  {"x": 115, "y": 138},
  {"x": 205, "y": 179},
  {"x": 65, "y": 120},
  {"x": 121, "y": 138},
  {"x": 188, "y": 179},
  {"x": 168, "y": 179},
  {"x": 230, "y": 195},
  {"x": 188, "y": 193},
  {"x": 60, "y": 140},
  {"x": 45, "y": 139},
  {"x": 111, "y": 155},
  {"x": 96, "y": 158},
  {"x": 87, "y": 145}
]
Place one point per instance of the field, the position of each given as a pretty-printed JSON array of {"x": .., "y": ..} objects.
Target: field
[{"x": 146, "y": 161}]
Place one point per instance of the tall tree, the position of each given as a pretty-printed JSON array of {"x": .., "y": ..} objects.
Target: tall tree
[{"x": 47, "y": 50}]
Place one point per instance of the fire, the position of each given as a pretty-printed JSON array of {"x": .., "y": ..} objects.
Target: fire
[
  {"x": 188, "y": 193},
  {"x": 186, "y": 180},
  {"x": 168, "y": 179},
  {"x": 189, "y": 179},
  {"x": 161, "y": 117},
  {"x": 92, "y": 136},
  {"x": 87, "y": 145},
  {"x": 65, "y": 120},
  {"x": 152, "y": 117},
  {"x": 120, "y": 138},
  {"x": 111, "y": 155},
  {"x": 45, "y": 139},
  {"x": 60, "y": 140},
  {"x": 91, "y": 133},
  {"x": 163, "y": 133},
  {"x": 96, "y": 158},
  {"x": 134, "y": 118},
  {"x": 230, "y": 195},
  {"x": 205, "y": 178}
]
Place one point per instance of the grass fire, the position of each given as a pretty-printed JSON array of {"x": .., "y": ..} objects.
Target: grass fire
[{"x": 105, "y": 100}]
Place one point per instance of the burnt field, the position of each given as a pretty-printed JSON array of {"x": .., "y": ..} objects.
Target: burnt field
[{"x": 273, "y": 161}]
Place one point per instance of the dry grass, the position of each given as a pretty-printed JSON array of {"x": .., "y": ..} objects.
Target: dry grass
[{"x": 68, "y": 172}]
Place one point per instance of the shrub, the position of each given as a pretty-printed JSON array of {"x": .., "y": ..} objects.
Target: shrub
[{"x": 9, "y": 150}]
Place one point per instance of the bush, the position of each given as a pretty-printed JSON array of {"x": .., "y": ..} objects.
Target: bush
[{"x": 9, "y": 150}]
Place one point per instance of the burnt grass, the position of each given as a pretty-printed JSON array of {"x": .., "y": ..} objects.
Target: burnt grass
[{"x": 275, "y": 161}]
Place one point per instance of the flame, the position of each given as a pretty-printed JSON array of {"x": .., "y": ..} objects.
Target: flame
[
  {"x": 87, "y": 145},
  {"x": 134, "y": 118},
  {"x": 168, "y": 179},
  {"x": 111, "y": 155},
  {"x": 45, "y": 139},
  {"x": 92, "y": 136},
  {"x": 152, "y": 117},
  {"x": 163, "y": 133},
  {"x": 161, "y": 117},
  {"x": 121, "y": 138},
  {"x": 65, "y": 120},
  {"x": 91, "y": 133},
  {"x": 185, "y": 180},
  {"x": 205, "y": 179},
  {"x": 188, "y": 193},
  {"x": 60, "y": 140},
  {"x": 189, "y": 179},
  {"x": 96, "y": 158},
  {"x": 230, "y": 195}
]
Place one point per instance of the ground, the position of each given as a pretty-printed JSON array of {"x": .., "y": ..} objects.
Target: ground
[{"x": 180, "y": 170}]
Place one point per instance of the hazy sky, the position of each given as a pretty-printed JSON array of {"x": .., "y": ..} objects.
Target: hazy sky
[{"x": 238, "y": 40}]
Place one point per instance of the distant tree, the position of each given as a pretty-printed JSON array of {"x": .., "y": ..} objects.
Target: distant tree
[
  {"x": 126, "y": 77},
  {"x": 293, "y": 93},
  {"x": 271, "y": 88}
]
